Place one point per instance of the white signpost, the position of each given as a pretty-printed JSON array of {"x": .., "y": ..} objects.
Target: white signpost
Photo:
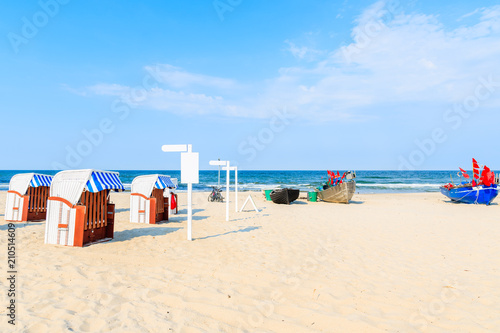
[
  {"x": 227, "y": 166},
  {"x": 235, "y": 169},
  {"x": 190, "y": 174}
]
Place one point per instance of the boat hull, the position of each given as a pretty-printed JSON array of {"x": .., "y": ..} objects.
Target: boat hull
[
  {"x": 341, "y": 193},
  {"x": 481, "y": 195},
  {"x": 284, "y": 196}
]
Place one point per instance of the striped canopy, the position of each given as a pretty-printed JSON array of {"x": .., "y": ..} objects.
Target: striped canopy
[
  {"x": 41, "y": 180},
  {"x": 100, "y": 181},
  {"x": 163, "y": 182}
]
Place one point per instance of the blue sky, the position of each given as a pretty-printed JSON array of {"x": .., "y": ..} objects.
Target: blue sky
[{"x": 267, "y": 85}]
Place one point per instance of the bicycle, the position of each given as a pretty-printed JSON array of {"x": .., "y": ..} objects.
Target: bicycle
[{"x": 216, "y": 195}]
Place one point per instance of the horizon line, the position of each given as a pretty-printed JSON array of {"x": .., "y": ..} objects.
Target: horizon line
[{"x": 112, "y": 169}]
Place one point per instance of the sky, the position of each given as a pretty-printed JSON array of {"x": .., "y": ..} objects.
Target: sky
[{"x": 268, "y": 85}]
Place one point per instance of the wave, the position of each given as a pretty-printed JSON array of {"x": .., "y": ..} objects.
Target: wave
[{"x": 396, "y": 186}]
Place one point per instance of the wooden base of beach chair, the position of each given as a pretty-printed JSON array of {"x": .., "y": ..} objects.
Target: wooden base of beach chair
[
  {"x": 29, "y": 207},
  {"x": 94, "y": 219}
]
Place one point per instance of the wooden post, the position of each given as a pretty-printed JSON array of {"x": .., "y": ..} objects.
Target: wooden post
[
  {"x": 111, "y": 220},
  {"x": 86, "y": 219},
  {"x": 176, "y": 204},
  {"x": 102, "y": 204},
  {"x": 152, "y": 210},
  {"x": 94, "y": 211},
  {"x": 26, "y": 201},
  {"x": 79, "y": 226}
]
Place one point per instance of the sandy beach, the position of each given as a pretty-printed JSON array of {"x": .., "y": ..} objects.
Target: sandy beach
[{"x": 384, "y": 263}]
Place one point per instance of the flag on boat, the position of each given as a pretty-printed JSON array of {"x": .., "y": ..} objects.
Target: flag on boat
[
  {"x": 487, "y": 177},
  {"x": 475, "y": 168},
  {"x": 464, "y": 173}
]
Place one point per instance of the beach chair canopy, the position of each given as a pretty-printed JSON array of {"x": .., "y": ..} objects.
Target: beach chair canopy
[
  {"x": 163, "y": 182},
  {"x": 144, "y": 184},
  {"x": 100, "y": 181},
  {"x": 70, "y": 184},
  {"x": 21, "y": 182}
]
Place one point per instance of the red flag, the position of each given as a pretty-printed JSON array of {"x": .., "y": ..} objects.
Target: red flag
[
  {"x": 464, "y": 173},
  {"x": 331, "y": 177},
  {"x": 343, "y": 176},
  {"x": 483, "y": 174},
  {"x": 486, "y": 177},
  {"x": 173, "y": 203},
  {"x": 475, "y": 168}
]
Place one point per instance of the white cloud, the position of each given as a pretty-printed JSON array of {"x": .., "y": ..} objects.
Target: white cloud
[
  {"x": 394, "y": 58},
  {"x": 176, "y": 77},
  {"x": 297, "y": 52},
  {"x": 109, "y": 89},
  {"x": 477, "y": 10},
  {"x": 302, "y": 52},
  {"x": 79, "y": 92},
  {"x": 406, "y": 59}
]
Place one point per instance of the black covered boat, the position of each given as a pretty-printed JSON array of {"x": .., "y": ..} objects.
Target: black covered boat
[{"x": 285, "y": 196}]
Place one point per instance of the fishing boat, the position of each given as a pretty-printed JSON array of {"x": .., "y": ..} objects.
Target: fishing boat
[
  {"x": 479, "y": 195},
  {"x": 338, "y": 189},
  {"x": 481, "y": 190},
  {"x": 284, "y": 196}
]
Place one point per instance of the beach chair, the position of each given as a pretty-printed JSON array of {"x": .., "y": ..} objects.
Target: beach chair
[
  {"x": 27, "y": 197},
  {"x": 150, "y": 198},
  {"x": 79, "y": 209}
]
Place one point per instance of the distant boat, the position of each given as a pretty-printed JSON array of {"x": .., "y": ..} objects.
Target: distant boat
[
  {"x": 338, "y": 189},
  {"x": 341, "y": 193},
  {"x": 482, "y": 195},
  {"x": 284, "y": 196},
  {"x": 482, "y": 189}
]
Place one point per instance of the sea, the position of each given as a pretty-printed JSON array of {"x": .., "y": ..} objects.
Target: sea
[{"x": 366, "y": 181}]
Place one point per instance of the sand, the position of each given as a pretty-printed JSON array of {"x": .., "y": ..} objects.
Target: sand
[{"x": 385, "y": 263}]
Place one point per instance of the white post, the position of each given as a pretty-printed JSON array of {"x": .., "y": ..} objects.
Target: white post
[
  {"x": 190, "y": 211},
  {"x": 236, "y": 189},
  {"x": 190, "y": 173},
  {"x": 190, "y": 203},
  {"x": 228, "y": 175}
]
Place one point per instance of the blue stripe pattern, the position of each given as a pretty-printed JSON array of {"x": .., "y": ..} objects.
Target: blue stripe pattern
[
  {"x": 41, "y": 180},
  {"x": 100, "y": 181},
  {"x": 163, "y": 182}
]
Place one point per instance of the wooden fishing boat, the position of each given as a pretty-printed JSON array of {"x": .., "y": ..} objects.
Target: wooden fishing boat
[
  {"x": 340, "y": 193},
  {"x": 284, "y": 196},
  {"x": 479, "y": 195},
  {"x": 481, "y": 189}
]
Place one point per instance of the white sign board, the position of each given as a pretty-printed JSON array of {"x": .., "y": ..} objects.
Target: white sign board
[
  {"x": 174, "y": 148},
  {"x": 190, "y": 168},
  {"x": 220, "y": 163}
]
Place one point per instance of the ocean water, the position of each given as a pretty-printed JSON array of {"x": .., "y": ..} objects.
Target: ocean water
[{"x": 367, "y": 181}]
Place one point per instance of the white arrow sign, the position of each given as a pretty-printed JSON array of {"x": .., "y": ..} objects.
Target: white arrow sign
[
  {"x": 221, "y": 163},
  {"x": 175, "y": 148}
]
